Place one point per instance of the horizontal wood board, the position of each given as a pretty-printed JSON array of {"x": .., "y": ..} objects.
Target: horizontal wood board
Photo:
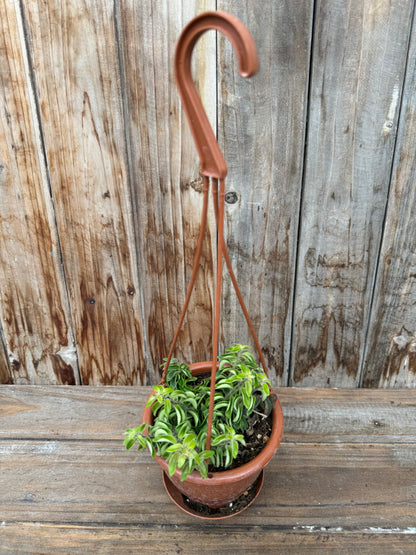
[{"x": 338, "y": 482}]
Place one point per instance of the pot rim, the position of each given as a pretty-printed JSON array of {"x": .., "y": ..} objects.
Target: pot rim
[{"x": 258, "y": 463}]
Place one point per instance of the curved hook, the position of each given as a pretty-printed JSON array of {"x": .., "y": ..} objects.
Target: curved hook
[{"x": 212, "y": 160}]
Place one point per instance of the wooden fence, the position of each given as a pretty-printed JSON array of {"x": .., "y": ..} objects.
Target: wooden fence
[{"x": 100, "y": 193}]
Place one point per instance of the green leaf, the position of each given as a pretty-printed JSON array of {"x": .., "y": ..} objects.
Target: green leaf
[
  {"x": 156, "y": 406},
  {"x": 227, "y": 458},
  {"x": 185, "y": 472},
  {"x": 217, "y": 440},
  {"x": 174, "y": 448},
  {"x": 129, "y": 442},
  {"x": 172, "y": 465},
  {"x": 178, "y": 415},
  {"x": 246, "y": 399},
  {"x": 249, "y": 357},
  {"x": 266, "y": 389},
  {"x": 142, "y": 442},
  {"x": 190, "y": 441},
  {"x": 224, "y": 362},
  {"x": 240, "y": 439},
  {"x": 165, "y": 439},
  {"x": 150, "y": 446},
  {"x": 223, "y": 386},
  {"x": 194, "y": 415},
  {"x": 238, "y": 414},
  {"x": 234, "y": 449},
  {"x": 192, "y": 402},
  {"x": 203, "y": 469},
  {"x": 167, "y": 407},
  {"x": 161, "y": 428},
  {"x": 243, "y": 424}
]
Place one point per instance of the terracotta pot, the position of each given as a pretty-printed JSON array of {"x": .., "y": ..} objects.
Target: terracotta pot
[{"x": 223, "y": 487}]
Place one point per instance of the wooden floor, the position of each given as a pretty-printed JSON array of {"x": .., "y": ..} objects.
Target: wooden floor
[{"x": 342, "y": 481}]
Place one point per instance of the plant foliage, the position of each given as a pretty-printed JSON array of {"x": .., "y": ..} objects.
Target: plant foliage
[{"x": 180, "y": 410}]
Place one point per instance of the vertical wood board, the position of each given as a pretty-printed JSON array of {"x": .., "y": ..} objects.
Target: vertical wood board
[
  {"x": 165, "y": 175},
  {"x": 391, "y": 348},
  {"x": 356, "y": 84},
  {"x": 75, "y": 53},
  {"x": 34, "y": 309},
  {"x": 5, "y": 376},
  {"x": 262, "y": 130}
]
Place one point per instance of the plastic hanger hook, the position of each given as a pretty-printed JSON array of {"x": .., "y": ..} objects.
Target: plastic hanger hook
[{"x": 212, "y": 160}]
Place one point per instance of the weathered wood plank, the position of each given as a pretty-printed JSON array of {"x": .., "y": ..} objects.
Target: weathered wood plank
[
  {"x": 81, "y": 491},
  {"x": 113, "y": 539},
  {"x": 169, "y": 540},
  {"x": 82, "y": 413},
  {"x": 262, "y": 129},
  {"x": 321, "y": 415},
  {"x": 358, "y": 69},
  {"x": 342, "y": 492},
  {"x": 5, "y": 376},
  {"x": 338, "y": 486},
  {"x": 391, "y": 350},
  {"x": 76, "y": 69},
  {"x": 165, "y": 173},
  {"x": 34, "y": 308}
]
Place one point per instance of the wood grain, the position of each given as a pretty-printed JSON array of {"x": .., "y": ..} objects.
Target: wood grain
[
  {"x": 165, "y": 175},
  {"x": 76, "y": 69},
  {"x": 100, "y": 193},
  {"x": 262, "y": 130},
  {"x": 5, "y": 376},
  {"x": 391, "y": 349},
  {"x": 335, "y": 484},
  {"x": 321, "y": 415},
  {"x": 52, "y": 538},
  {"x": 34, "y": 309},
  {"x": 357, "y": 77}
]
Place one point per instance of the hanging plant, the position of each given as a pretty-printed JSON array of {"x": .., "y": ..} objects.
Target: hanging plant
[
  {"x": 180, "y": 410},
  {"x": 201, "y": 417}
]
